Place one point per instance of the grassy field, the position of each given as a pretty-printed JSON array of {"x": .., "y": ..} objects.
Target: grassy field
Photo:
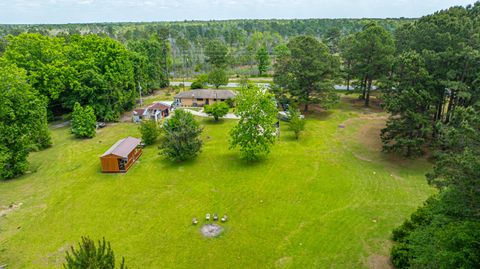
[{"x": 327, "y": 201}]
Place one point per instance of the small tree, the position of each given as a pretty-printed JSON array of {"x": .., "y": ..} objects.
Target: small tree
[
  {"x": 150, "y": 131},
  {"x": 200, "y": 82},
  {"x": 218, "y": 77},
  {"x": 217, "y": 110},
  {"x": 181, "y": 137},
  {"x": 263, "y": 60},
  {"x": 88, "y": 255},
  {"x": 83, "y": 121},
  {"x": 255, "y": 133},
  {"x": 296, "y": 124}
]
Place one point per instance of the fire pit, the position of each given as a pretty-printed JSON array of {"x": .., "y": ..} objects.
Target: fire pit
[{"x": 211, "y": 230}]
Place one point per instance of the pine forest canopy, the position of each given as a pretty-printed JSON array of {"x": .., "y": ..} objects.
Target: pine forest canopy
[{"x": 188, "y": 40}]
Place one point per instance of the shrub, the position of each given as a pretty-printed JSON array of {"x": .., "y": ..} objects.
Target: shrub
[
  {"x": 88, "y": 255},
  {"x": 230, "y": 102},
  {"x": 401, "y": 256},
  {"x": 150, "y": 131},
  {"x": 297, "y": 124},
  {"x": 200, "y": 82}
]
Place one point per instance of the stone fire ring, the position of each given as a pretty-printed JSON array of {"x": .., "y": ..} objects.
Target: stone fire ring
[{"x": 211, "y": 230}]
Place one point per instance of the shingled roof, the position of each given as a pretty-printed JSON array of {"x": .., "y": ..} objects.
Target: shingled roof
[
  {"x": 123, "y": 147},
  {"x": 207, "y": 94}
]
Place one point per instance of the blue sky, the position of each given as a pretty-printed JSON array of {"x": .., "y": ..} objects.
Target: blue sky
[{"x": 70, "y": 11}]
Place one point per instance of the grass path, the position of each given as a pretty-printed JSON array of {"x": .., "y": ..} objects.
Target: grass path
[{"x": 313, "y": 204}]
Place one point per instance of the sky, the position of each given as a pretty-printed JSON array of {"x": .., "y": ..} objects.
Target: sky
[{"x": 81, "y": 11}]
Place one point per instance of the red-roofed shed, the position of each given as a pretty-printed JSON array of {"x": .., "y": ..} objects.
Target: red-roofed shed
[{"x": 120, "y": 157}]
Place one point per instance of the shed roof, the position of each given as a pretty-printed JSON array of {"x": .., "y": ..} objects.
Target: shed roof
[
  {"x": 207, "y": 94},
  {"x": 123, "y": 147}
]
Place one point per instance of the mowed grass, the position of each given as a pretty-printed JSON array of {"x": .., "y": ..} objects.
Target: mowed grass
[{"x": 327, "y": 201}]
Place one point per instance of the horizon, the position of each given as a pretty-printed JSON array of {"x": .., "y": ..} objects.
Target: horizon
[{"x": 51, "y": 12}]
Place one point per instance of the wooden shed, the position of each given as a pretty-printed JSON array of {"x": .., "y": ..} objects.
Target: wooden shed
[{"x": 120, "y": 157}]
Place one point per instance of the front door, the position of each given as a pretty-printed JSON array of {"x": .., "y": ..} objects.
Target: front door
[{"x": 207, "y": 101}]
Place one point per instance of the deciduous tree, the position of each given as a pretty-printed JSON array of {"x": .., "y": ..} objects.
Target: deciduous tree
[
  {"x": 84, "y": 121},
  {"x": 218, "y": 77},
  {"x": 255, "y": 132},
  {"x": 217, "y": 110},
  {"x": 23, "y": 121},
  {"x": 263, "y": 60}
]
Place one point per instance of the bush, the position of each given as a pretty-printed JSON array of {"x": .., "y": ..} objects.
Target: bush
[
  {"x": 401, "y": 256},
  {"x": 150, "y": 131},
  {"x": 216, "y": 110},
  {"x": 83, "y": 121},
  {"x": 181, "y": 139},
  {"x": 230, "y": 102},
  {"x": 297, "y": 124},
  {"x": 200, "y": 82},
  {"x": 88, "y": 255}
]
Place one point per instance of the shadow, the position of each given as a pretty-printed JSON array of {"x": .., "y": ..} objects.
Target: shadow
[
  {"x": 174, "y": 165},
  {"x": 212, "y": 121},
  {"x": 238, "y": 161}
]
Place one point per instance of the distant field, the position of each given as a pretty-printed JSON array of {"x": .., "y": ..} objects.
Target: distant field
[{"x": 329, "y": 200}]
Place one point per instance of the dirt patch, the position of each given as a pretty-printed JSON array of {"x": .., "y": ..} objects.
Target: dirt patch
[
  {"x": 375, "y": 104},
  {"x": 8, "y": 209},
  {"x": 211, "y": 230},
  {"x": 376, "y": 261},
  {"x": 369, "y": 133},
  {"x": 283, "y": 262}
]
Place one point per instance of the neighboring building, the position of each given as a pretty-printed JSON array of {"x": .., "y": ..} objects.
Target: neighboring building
[
  {"x": 120, "y": 157},
  {"x": 155, "y": 111},
  {"x": 196, "y": 98}
]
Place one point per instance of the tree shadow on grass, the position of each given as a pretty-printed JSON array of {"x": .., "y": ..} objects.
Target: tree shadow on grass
[
  {"x": 237, "y": 161},
  {"x": 175, "y": 165}
]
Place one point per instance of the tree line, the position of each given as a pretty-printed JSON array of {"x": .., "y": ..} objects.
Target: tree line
[{"x": 188, "y": 40}]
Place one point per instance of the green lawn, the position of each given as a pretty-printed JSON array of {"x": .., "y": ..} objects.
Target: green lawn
[{"x": 327, "y": 201}]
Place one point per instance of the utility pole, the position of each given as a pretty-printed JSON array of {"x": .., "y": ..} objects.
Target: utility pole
[{"x": 140, "y": 91}]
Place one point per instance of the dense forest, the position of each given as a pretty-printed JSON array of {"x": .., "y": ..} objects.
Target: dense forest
[
  {"x": 188, "y": 40},
  {"x": 427, "y": 72}
]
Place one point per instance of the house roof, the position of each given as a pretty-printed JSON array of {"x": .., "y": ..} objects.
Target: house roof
[
  {"x": 207, "y": 94},
  {"x": 139, "y": 111},
  {"x": 158, "y": 106},
  {"x": 123, "y": 147}
]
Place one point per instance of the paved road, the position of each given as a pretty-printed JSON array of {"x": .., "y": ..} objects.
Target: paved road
[{"x": 236, "y": 85}]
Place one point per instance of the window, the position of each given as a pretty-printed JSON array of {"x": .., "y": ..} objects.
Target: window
[{"x": 199, "y": 99}]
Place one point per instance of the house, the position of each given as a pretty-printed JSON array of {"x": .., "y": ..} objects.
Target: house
[
  {"x": 196, "y": 98},
  {"x": 155, "y": 111},
  {"x": 120, "y": 157}
]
